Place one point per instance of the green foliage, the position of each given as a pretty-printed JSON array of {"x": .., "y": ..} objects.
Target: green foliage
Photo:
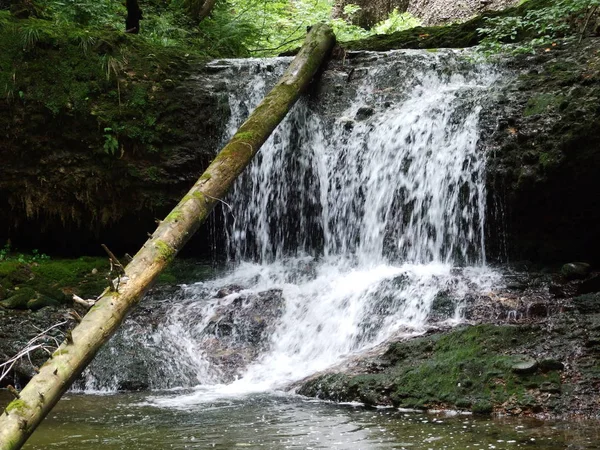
[
  {"x": 87, "y": 12},
  {"x": 6, "y": 254},
  {"x": 111, "y": 143},
  {"x": 277, "y": 26},
  {"x": 540, "y": 27}
]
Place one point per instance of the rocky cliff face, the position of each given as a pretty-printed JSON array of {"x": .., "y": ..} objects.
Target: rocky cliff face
[
  {"x": 545, "y": 157},
  {"x": 431, "y": 12},
  {"x": 438, "y": 12}
]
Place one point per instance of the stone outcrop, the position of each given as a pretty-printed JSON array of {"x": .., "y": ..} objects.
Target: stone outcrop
[
  {"x": 439, "y": 12},
  {"x": 431, "y": 12}
]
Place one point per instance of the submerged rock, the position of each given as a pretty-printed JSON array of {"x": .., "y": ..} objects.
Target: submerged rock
[
  {"x": 364, "y": 112},
  {"x": 240, "y": 331}
]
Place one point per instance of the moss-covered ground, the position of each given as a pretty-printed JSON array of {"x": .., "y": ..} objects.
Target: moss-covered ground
[
  {"x": 52, "y": 282},
  {"x": 472, "y": 367}
]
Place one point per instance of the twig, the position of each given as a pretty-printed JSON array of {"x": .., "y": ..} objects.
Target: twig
[
  {"x": 219, "y": 200},
  {"x": 87, "y": 303},
  {"x": 256, "y": 50},
  {"x": 30, "y": 347},
  {"x": 587, "y": 22},
  {"x": 114, "y": 260}
]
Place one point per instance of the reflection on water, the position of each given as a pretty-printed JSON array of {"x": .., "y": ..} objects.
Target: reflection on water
[{"x": 281, "y": 422}]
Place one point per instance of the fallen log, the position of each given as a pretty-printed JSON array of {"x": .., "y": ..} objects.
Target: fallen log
[{"x": 36, "y": 400}]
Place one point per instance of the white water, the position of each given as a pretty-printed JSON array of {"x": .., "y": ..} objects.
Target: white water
[{"x": 361, "y": 224}]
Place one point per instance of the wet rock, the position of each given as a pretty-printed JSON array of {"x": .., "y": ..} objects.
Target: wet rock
[
  {"x": 575, "y": 270},
  {"x": 224, "y": 292},
  {"x": 548, "y": 365},
  {"x": 364, "y": 112},
  {"x": 557, "y": 290},
  {"x": 132, "y": 385},
  {"x": 240, "y": 330},
  {"x": 17, "y": 327},
  {"x": 348, "y": 125},
  {"x": 442, "y": 308},
  {"x": 588, "y": 303},
  {"x": 516, "y": 286},
  {"x": 589, "y": 286},
  {"x": 525, "y": 365},
  {"x": 537, "y": 309}
]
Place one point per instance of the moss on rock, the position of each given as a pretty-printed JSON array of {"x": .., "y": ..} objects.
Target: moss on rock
[
  {"x": 468, "y": 368},
  {"x": 457, "y": 35},
  {"x": 50, "y": 282}
]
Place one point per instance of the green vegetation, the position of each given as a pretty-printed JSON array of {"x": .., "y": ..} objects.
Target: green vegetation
[
  {"x": 469, "y": 368},
  {"x": 539, "y": 27},
  {"x": 32, "y": 281}
]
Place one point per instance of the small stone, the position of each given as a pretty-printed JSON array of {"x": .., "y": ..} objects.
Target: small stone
[
  {"x": 525, "y": 365},
  {"x": 364, "y": 112},
  {"x": 349, "y": 125},
  {"x": 537, "y": 310},
  {"x": 557, "y": 290},
  {"x": 547, "y": 365},
  {"x": 552, "y": 388},
  {"x": 575, "y": 270}
]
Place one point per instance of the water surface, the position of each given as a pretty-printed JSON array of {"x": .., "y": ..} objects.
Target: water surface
[{"x": 128, "y": 422}]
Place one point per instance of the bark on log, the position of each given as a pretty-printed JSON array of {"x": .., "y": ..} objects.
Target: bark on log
[{"x": 23, "y": 415}]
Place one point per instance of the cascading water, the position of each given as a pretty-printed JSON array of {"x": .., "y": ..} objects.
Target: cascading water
[{"x": 364, "y": 207}]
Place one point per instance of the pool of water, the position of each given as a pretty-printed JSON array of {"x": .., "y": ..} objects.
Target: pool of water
[{"x": 131, "y": 421}]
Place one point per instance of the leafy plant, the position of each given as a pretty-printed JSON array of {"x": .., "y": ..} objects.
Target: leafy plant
[
  {"x": 111, "y": 143},
  {"x": 563, "y": 19},
  {"x": 35, "y": 256}
]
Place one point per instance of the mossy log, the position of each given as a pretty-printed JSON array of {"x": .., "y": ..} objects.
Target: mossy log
[{"x": 23, "y": 415}]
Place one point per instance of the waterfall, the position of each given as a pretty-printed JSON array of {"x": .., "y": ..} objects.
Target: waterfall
[{"x": 364, "y": 208}]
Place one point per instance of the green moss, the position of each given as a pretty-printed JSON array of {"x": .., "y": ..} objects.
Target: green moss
[
  {"x": 186, "y": 271},
  {"x": 16, "y": 405},
  {"x": 175, "y": 216},
  {"x": 8, "y": 268},
  {"x": 165, "y": 251},
  {"x": 20, "y": 299},
  {"x": 245, "y": 136},
  {"x": 466, "y": 368},
  {"x": 542, "y": 103},
  {"x": 51, "y": 282}
]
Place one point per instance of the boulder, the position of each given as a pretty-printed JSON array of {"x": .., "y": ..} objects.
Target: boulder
[
  {"x": 524, "y": 365},
  {"x": 575, "y": 270}
]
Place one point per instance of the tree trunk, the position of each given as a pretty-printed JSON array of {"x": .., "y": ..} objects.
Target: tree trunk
[
  {"x": 199, "y": 9},
  {"x": 134, "y": 15},
  {"x": 206, "y": 9},
  {"x": 36, "y": 400}
]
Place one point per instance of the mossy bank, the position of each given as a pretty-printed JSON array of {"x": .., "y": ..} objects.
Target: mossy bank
[
  {"x": 101, "y": 131},
  {"x": 548, "y": 369}
]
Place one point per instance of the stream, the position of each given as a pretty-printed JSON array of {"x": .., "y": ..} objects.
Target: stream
[{"x": 129, "y": 421}]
